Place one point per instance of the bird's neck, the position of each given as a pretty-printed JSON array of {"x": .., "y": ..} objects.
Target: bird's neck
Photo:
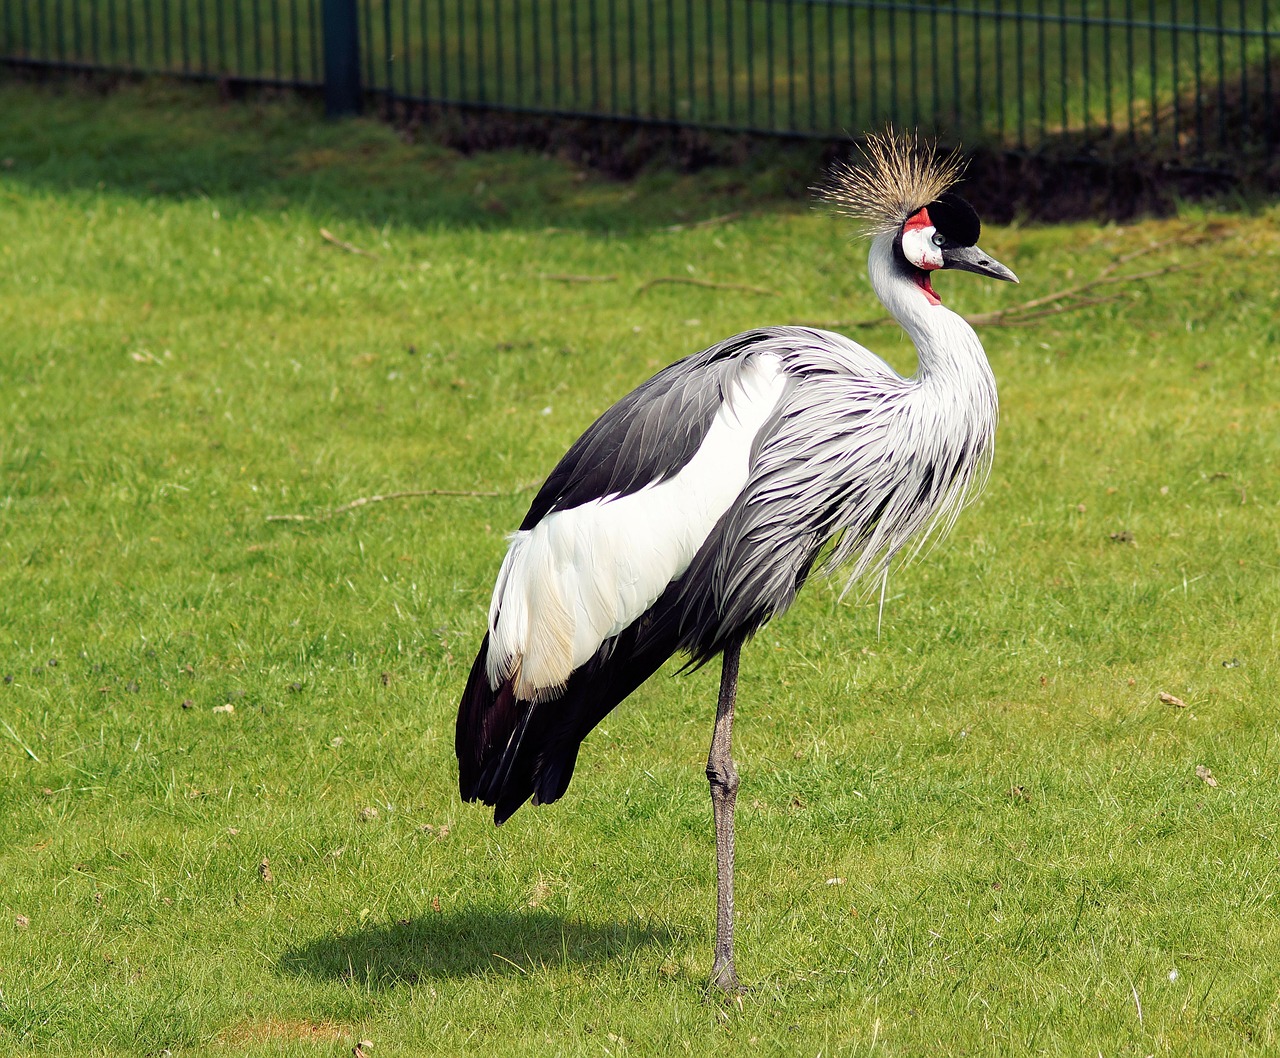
[{"x": 949, "y": 351}]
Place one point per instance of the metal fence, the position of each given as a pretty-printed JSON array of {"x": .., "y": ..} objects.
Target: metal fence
[{"x": 1197, "y": 75}]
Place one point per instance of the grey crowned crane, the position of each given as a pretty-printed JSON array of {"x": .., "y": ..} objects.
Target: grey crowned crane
[{"x": 693, "y": 510}]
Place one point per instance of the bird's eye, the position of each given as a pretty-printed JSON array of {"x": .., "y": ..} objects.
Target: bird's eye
[{"x": 938, "y": 238}]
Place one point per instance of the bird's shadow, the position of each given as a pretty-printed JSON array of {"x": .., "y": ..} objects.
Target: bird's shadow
[{"x": 466, "y": 943}]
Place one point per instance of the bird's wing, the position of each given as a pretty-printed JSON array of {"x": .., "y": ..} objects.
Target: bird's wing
[
  {"x": 626, "y": 510},
  {"x": 853, "y": 465}
]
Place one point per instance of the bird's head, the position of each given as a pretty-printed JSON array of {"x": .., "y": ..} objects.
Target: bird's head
[{"x": 901, "y": 190}]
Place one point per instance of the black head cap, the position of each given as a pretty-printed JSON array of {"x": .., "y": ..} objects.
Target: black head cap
[{"x": 956, "y": 219}]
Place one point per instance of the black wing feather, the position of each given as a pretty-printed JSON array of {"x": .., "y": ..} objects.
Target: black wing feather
[{"x": 648, "y": 436}]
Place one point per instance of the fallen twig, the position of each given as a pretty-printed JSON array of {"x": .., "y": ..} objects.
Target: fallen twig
[
  {"x": 363, "y": 501},
  {"x": 558, "y": 278},
  {"x": 690, "y": 281},
  {"x": 724, "y": 218},
  {"x": 342, "y": 244}
]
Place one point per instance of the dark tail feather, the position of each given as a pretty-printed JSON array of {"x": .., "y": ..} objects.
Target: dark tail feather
[
  {"x": 486, "y": 719},
  {"x": 511, "y": 750}
]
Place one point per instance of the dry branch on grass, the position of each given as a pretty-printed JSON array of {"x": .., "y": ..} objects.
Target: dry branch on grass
[
  {"x": 723, "y": 218},
  {"x": 364, "y": 501},
  {"x": 342, "y": 244},
  {"x": 690, "y": 281},
  {"x": 557, "y": 277},
  {"x": 1068, "y": 299}
]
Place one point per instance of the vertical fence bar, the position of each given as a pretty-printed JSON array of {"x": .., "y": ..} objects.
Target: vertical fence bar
[
  {"x": 386, "y": 82},
  {"x": 613, "y": 57},
  {"x": 936, "y": 67},
  {"x": 317, "y": 45},
  {"x": 202, "y": 28},
  {"x": 770, "y": 71},
  {"x": 789, "y": 10},
  {"x": 165, "y": 31},
  {"x": 1108, "y": 112},
  {"x": 631, "y": 54},
  {"x": 257, "y": 39},
  {"x": 1129, "y": 67},
  {"x": 341, "y": 58},
  {"x": 1020, "y": 68},
  {"x": 518, "y": 51},
  {"x": 482, "y": 88},
  {"x": 1196, "y": 75},
  {"x": 691, "y": 90},
  {"x": 831, "y": 68},
  {"x": 1173, "y": 68},
  {"x": 1268, "y": 113},
  {"x": 873, "y": 61},
  {"x": 574, "y": 64},
  {"x": 1244, "y": 65},
  {"x": 998, "y": 17},
  {"x": 651, "y": 105},
  {"x": 1061, "y": 62},
  {"x": 442, "y": 20},
  {"x": 406, "y": 51},
  {"x": 278, "y": 40},
  {"x": 58, "y": 33},
  {"x": 671, "y": 59},
  {"x": 131, "y": 35},
  {"x": 977, "y": 67},
  {"x": 295, "y": 36},
  {"x": 892, "y": 65},
  {"x": 850, "y": 22},
  {"x": 1155, "y": 110},
  {"x": 1043, "y": 96},
  {"x": 813, "y": 73},
  {"x": 1084, "y": 65},
  {"x": 595, "y": 55},
  {"x": 730, "y": 72},
  {"x": 913, "y": 50},
  {"x": 1222, "y": 78},
  {"x": 77, "y": 42}
]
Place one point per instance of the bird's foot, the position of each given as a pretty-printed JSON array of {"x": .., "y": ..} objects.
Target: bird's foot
[{"x": 725, "y": 978}]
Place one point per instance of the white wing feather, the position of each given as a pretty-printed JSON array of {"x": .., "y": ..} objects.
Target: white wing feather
[{"x": 584, "y": 574}]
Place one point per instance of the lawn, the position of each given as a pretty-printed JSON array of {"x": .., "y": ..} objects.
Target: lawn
[{"x": 973, "y": 827}]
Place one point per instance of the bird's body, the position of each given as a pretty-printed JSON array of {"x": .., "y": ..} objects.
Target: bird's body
[{"x": 692, "y": 511}]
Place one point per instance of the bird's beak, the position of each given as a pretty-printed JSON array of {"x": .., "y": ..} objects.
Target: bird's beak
[{"x": 972, "y": 259}]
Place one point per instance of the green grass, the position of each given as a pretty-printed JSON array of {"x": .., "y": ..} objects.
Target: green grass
[{"x": 1029, "y": 863}]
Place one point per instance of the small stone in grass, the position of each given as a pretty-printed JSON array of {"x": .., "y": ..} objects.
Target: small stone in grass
[
  {"x": 368, "y": 814},
  {"x": 1172, "y": 699},
  {"x": 1206, "y": 775},
  {"x": 187, "y": 703},
  {"x": 21, "y": 921},
  {"x": 264, "y": 871},
  {"x": 228, "y": 708}
]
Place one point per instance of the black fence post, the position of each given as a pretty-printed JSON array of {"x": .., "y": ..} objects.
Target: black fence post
[{"x": 341, "y": 58}]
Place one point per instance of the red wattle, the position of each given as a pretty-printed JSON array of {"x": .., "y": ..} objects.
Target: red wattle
[{"x": 922, "y": 281}]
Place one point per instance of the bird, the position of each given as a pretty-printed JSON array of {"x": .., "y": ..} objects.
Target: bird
[{"x": 692, "y": 511}]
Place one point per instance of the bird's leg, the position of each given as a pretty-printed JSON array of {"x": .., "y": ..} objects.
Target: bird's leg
[{"x": 723, "y": 777}]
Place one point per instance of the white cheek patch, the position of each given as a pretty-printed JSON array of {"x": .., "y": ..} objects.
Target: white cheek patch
[{"x": 918, "y": 247}]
